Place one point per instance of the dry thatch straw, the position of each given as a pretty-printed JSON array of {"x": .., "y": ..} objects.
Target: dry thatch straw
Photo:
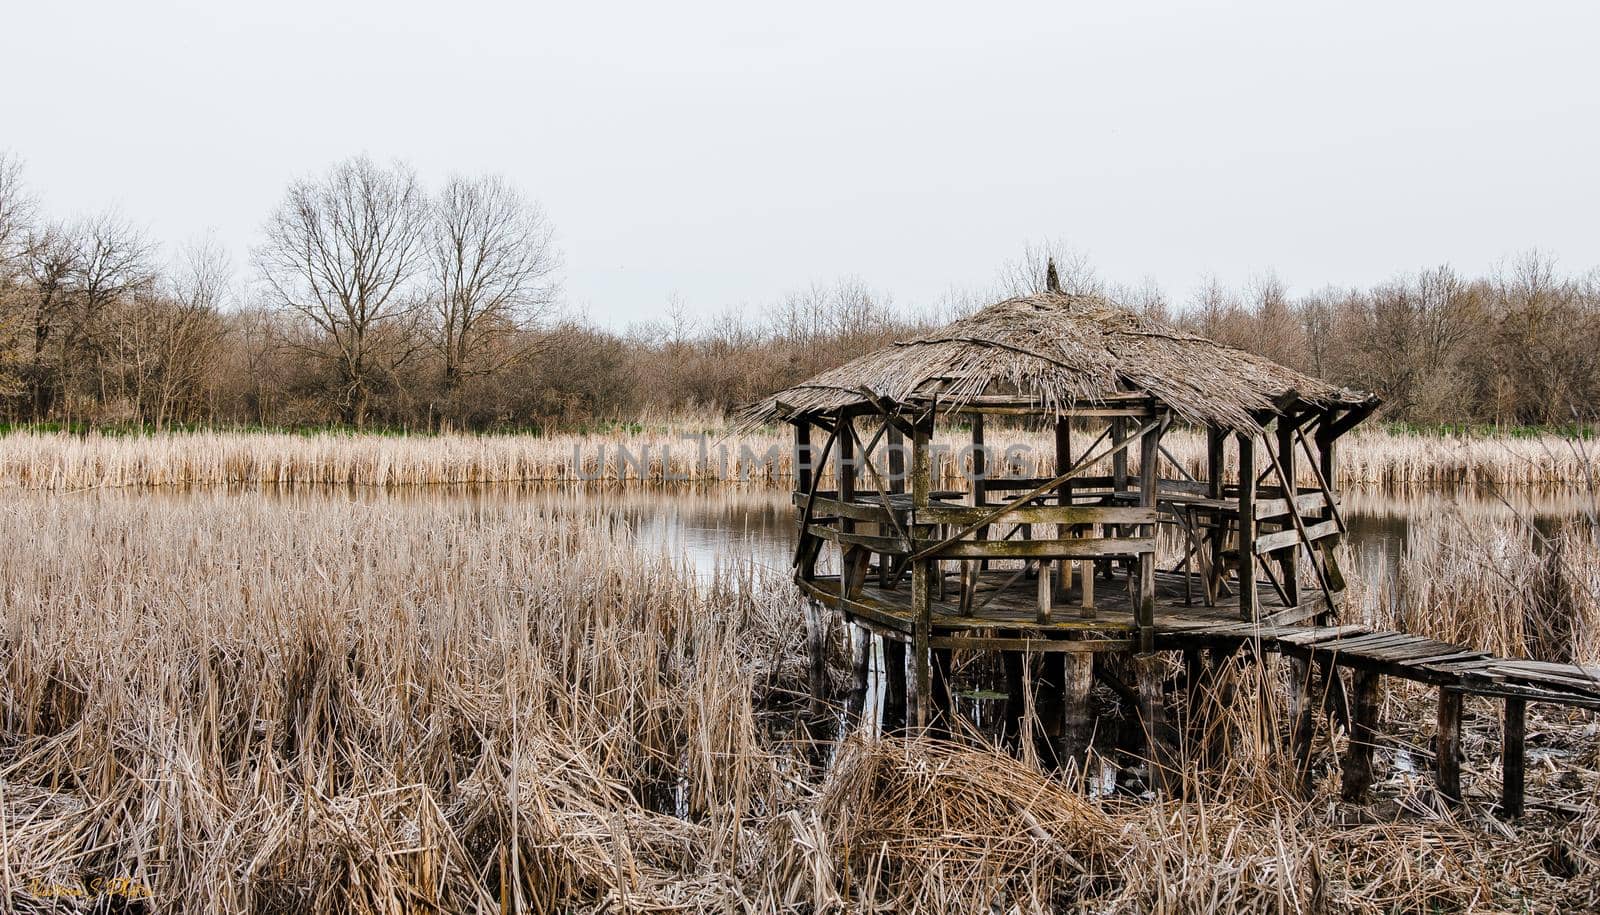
[{"x": 1062, "y": 349}]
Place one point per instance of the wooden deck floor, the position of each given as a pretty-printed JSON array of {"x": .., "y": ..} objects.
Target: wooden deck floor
[{"x": 1015, "y": 608}]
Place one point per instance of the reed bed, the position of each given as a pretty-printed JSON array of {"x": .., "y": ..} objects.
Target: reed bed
[
  {"x": 690, "y": 452},
  {"x": 1503, "y": 584},
  {"x": 234, "y": 703}
]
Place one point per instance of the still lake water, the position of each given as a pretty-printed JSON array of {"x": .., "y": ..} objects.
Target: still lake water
[{"x": 723, "y": 525}]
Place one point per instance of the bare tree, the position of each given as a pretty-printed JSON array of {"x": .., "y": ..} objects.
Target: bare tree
[
  {"x": 492, "y": 264},
  {"x": 16, "y": 216},
  {"x": 341, "y": 252},
  {"x": 1025, "y": 275},
  {"x": 171, "y": 336}
]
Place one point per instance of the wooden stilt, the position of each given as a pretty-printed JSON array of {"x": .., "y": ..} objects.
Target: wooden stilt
[
  {"x": 1512, "y": 739},
  {"x": 943, "y": 700},
  {"x": 1152, "y": 718},
  {"x": 1194, "y": 684},
  {"x": 894, "y": 686},
  {"x": 1366, "y": 698},
  {"x": 1077, "y": 731},
  {"x": 1303, "y": 720},
  {"x": 1448, "y": 747},
  {"x": 1224, "y": 671},
  {"x": 1011, "y": 665},
  {"x": 921, "y": 579},
  {"x": 1214, "y": 567},
  {"x": 817, "y": 654},
  {"x": 860, "y": 670},
  {"x": 1049, "y": 705}
]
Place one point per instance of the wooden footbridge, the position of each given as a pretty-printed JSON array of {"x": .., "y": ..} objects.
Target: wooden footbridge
[{"x": 1105, "y": 557}]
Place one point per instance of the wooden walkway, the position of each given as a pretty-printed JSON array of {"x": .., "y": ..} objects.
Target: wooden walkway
[{"x": 1456, "y": 671}]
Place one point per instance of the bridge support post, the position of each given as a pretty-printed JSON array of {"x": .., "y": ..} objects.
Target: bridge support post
[
  {"x": 1303, "y": 720},
  {"x": 894, "y": 685},
  {"x": 1448, "y": 750},
  {"x": 1366, "y": 696},
  {"x": 1511, "y": 758}
]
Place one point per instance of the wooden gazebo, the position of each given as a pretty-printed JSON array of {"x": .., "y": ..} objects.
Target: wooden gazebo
[{"x": 1114, "y": 545}]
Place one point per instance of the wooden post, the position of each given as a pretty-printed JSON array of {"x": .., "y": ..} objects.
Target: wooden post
[
  {"x": 1064, "y": 497},
  {"x": 1050, "y": 691},
  {"x": 1366, "y": 698},
  {"x": 894, "y": 685},
  {"x": 1248, "y": 609},
  {"x": 1303, "y": 721},
  {"x": 860, "y": 670},
  {"x": 817, "y": 651},
  {"x": 889, "y": 577},
  {"x": 1046, "y": 592},
  {"x": 1119, "y": 461},
  {"x": 1077, "y": 730},
  {"x": 845, "y": 473},
  {"x": 1146, "y": 592},
  {"x": 1511, "y": 759},
  {"x": 1152, "y": 717},
  {"x": 1290, "y": 562},
  {"x": 943, "y": 701},
  {"x": 921, "y": 576},
  {"x": 1011, "y": 726},
  {"x": 802, "y": 455},
  {"x": 1215, "y": 440},
  {"x": 1449, "y": 745}
]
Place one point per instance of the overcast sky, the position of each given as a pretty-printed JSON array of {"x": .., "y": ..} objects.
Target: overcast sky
[{"x": 727, "y": 152}]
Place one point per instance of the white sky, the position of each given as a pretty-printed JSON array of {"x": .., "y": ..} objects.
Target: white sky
[{"x": 728, "y": 152}]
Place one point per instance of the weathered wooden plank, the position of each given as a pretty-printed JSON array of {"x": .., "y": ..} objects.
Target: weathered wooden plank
[
  {"x": 1312, "y": 636},
  {"x": 1267, "y": 509},
  {"x": 962, "y": 515},
  {"x": 1068, "y": 548},
  {"x": 1036, "y": 645},
  {"x": 1279, "y": 540}
]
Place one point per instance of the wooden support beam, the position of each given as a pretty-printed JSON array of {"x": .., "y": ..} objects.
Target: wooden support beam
[
  {"x": 1145, "y": 592},
  {"x": 1011, "y": 663},
  {"x": 921, "y": 576},
  {"x": 1303, "y": 721},
  {"x": 1249, "y": 608},
  {"x": 1077, "y": 731},
  {"x": 817, "y": 654},
  {"x": 1448, "y": 749},
  {"x": 1366, "y": 699},
  {"x": 944, "y": 704},
  {"x": 894, "y": 685},
  {"x": 1049, "y": 705},
  {"x": 860, "y": 671},
  {"x": 1119, "y": 461},
  {"x": 802, "y": 455},
  {"x": 1289, "y": 560},
  {"x": 1152, "y": 717},
  {"x": 1512, "y": 738}
]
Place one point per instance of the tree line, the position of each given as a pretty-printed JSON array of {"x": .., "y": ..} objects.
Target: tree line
[{"x": 371, "y": 300}]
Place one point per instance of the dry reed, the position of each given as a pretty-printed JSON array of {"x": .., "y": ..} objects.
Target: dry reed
[
  {"x": 243, "y": 703},
  {"x": 66, "y": 462}
]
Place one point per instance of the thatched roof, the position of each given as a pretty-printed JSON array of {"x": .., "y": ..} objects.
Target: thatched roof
[{"x": 1062, "y": 349}]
